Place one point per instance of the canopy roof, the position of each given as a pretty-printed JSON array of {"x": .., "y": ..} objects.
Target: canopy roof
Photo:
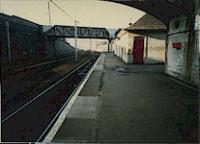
[
  {"x": 164, "y": 10},
  {"x": 147, "y": 22}
]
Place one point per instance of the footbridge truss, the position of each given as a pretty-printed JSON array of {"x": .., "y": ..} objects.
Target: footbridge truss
[{"x": 82, "y": 32}]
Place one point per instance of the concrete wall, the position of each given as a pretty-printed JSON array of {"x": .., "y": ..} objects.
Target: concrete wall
[
  {"x": 183, "y": 63},
  {"x": 62, "y": 48},
  {"x": 55, "y": 48},
  {"x": 195, "y": 64},
  {"x": 20, "y": 40},
  {"x": 49, "y": 48},
  {"x": 84, "y": 44},
  {"x": 123, "y": 47},
  {"x": 195, "y": 71},
  {"x": 156, "y": 51},
  {"x": 176, "y": 58}
]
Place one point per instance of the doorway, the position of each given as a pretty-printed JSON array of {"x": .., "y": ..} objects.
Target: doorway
[{"x": 138, "y": 50}]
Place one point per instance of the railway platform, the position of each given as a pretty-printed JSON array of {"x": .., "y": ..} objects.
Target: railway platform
[{"x": 130, "y": 103}]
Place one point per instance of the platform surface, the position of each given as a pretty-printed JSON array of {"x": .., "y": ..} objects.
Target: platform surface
[{"x": 130, "y": 103}]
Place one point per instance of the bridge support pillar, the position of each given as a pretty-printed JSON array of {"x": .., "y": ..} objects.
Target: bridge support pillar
[{"x": 109, "y": 45}]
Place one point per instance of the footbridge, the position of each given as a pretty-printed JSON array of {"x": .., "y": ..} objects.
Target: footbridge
[{"x": 61, "y": 31}]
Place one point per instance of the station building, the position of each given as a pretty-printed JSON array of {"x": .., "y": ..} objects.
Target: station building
[
  {"x": 142, "y": 42},
  {"x": 182, "y": 50}
]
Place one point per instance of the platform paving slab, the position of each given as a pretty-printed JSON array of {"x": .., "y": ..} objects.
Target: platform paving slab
[{"x": 131, "y": 103}]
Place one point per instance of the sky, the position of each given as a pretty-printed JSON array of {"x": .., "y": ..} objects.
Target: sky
[
  {"x": 92, "y": 13},
  {"x": 88, "y": 12}
]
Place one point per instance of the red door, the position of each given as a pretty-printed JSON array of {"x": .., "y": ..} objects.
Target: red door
[{"x": 138, "y": 50}]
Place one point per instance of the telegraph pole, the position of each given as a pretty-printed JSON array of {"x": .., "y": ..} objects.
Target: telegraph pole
[
  {"x": 76, "y": 49},
  {"x": 0, "y": 6},
  {"x": 49, "y": 12}
]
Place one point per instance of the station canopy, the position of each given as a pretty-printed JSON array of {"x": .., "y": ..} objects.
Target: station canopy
[{"x": 164, "y": 10}]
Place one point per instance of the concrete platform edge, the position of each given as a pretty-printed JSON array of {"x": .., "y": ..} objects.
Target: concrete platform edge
[{"x": 64, "y": 113}]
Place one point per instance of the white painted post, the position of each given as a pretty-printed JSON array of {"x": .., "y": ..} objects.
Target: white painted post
[
  {"x": 109, "y": 46},
  {"x": 8, "y": 40},
  {"x": 90, "y": 44},
  {"x": 76, "y": 50},
  {"x": 146, "y": 50}
]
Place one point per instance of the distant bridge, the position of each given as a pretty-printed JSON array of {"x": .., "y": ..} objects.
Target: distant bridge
[{"x": 82, "y": 32}]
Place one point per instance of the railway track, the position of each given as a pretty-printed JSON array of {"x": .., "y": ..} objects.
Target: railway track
[
  {"x": 31, "y": 122},
  {"x": 47, "y": 63},
  {"x": 26, "y": 83}
]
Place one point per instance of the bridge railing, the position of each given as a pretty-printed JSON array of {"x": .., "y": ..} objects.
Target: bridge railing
[{"x": 82, "y": 32}]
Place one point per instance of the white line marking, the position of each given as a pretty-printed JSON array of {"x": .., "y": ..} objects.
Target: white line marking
[{"x": 64, "y": 113}]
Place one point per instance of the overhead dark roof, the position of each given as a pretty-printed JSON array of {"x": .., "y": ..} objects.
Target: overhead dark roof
[
  {"x": 164, "y": 10},
  {"x": 147, "y": 22}
]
